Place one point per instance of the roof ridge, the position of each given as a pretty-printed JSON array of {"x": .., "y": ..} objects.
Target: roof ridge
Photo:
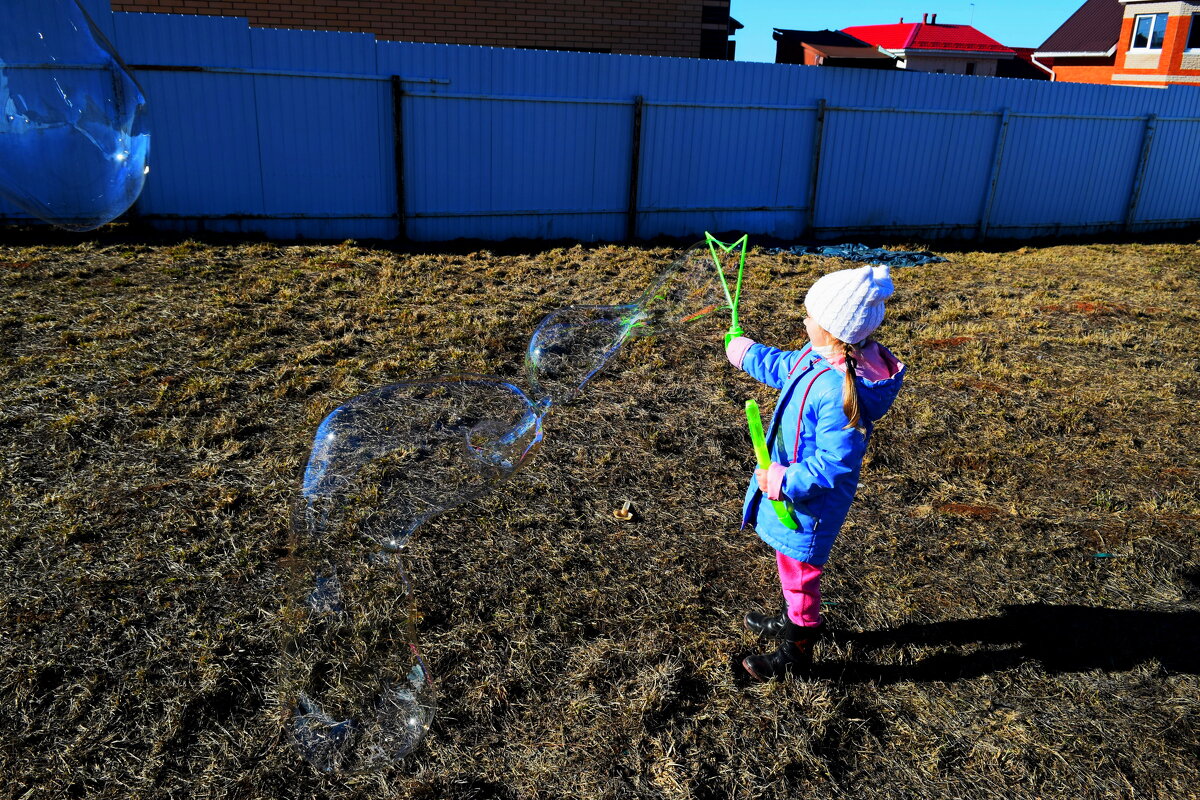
[{"x": 912, "y": 35}]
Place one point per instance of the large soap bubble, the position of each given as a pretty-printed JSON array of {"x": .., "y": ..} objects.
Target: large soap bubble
[
  {"x": 430, "y": 446},
  {"x": 687, "y": 296},
  {"x": 386, "y": 463},
  {"x": 572, "y": 344},
  {"x": 357, "y": 688},
  {"x": 72, "y": 145},
  {"x": 381, "y": 465}
]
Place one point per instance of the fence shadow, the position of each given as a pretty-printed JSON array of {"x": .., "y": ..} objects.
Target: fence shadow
[{"x": 1060, "y": 638}]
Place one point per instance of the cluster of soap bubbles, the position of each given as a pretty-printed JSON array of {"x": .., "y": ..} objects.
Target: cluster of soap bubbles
[
  {"x": 386, "y": 463},
  {"x": 73, "y": 151},
  {"x": 72, "y": 143}
]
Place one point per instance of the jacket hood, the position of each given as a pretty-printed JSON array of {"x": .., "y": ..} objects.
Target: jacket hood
[{"x": 876, "y": 397}]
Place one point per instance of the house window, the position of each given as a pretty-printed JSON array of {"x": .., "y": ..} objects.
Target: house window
[
  {"x": 1194, "y": 35},
  {"x": 970, "y": 67},
  {"x": 1149, "y": 30}
]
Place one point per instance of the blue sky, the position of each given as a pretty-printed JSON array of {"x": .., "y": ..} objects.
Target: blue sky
[{"x": 1017, "y": 23}]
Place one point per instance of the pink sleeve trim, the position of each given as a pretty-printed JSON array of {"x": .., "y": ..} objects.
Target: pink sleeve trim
[
  {"x": 775, "y": 481},
  {"x": 736, "y": 350}
]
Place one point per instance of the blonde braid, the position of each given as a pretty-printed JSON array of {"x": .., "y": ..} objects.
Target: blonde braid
[{"x": 850, "y": 404}]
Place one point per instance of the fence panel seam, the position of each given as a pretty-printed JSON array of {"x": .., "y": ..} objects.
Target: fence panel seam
[
  {"x": 397, "y": 95},
  {"x": 1135, "y": 189},
  {"x": 997, "y": 159},
  {"x": 635, "y": 158},
  {"x": 815, "y": 170}
]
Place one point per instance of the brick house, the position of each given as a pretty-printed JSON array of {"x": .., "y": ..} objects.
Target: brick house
[
  {"x": 685, "y": 28},
  {"x": 1084, "y": 48},
  {"x": 1127, "y": 43},
  {"x": 927, "y": 46}
]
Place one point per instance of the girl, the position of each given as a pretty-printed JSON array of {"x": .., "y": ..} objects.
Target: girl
[{"x": 831, "y": 394}]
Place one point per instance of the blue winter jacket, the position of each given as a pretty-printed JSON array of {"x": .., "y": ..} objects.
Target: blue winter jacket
[{"x": 822, "y": 456}]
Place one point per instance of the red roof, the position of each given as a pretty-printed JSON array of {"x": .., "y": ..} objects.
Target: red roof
[{"x": 926, "y": 36}]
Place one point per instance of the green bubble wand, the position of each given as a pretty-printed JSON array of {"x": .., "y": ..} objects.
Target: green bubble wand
[
  {"x": 783, "y": 509},
  {"x": 735, "y": 330}
]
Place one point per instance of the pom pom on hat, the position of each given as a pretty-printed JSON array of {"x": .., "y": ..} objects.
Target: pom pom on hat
[{"x": 849, "y": 303}]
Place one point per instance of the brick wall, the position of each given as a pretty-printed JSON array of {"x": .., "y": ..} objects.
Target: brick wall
[
  {"x": 1163, "y": 67},
  {"x": 637, "y": 27},
  {"x": 1082, "y": 70}
]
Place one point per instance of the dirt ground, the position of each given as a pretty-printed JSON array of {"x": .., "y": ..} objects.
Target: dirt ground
[{"x": 1015, "y": 596}]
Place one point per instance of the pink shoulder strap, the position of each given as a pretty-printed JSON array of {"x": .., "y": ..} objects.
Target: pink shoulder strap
[
  {"x": 800, "y": 414},
  {"x": 800, "y": 360}
]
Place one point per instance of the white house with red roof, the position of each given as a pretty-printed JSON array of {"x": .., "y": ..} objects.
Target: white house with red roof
[{"x": 928, "y": 46}]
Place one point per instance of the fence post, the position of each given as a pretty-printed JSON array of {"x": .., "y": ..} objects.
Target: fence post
[
  {"x": 635, "y": 159},
  {"x": 815, "y": 173},
  {"x": 1135, "y": 191},
  {"x": 398, "y": 153},
  {"x": 994, "y": 180}
]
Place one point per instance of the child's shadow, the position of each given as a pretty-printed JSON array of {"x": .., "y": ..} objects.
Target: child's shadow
[{"x": 1060, "y": 638}]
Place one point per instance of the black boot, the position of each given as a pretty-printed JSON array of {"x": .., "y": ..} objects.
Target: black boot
[
  {"x": 766, "y": 626},
  {"x": 794, "y": 653}
]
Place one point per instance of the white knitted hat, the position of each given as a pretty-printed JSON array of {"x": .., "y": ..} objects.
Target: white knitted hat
[{"x": 849, "y": 303}]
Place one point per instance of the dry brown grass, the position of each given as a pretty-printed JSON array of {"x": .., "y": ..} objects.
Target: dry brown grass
[{"x": 1016, "y": 592}]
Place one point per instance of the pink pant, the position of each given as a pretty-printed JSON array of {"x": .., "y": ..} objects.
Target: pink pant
[{"x": 801, "y": 584}]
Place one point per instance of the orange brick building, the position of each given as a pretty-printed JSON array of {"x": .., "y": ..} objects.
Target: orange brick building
[
  {"x": 1128, "y": 43},
  {"x": 1159, "y": 44},
  {"x": 687, "y": 28}
]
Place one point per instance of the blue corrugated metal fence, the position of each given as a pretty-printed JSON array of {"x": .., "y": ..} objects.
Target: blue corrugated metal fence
[{"x": 295, "y": 134}]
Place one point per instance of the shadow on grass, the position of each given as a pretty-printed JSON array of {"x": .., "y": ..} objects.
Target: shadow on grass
[{"x": 1060, "y": 638}]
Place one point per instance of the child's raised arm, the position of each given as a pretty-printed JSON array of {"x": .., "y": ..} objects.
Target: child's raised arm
[{"x": 768, "y": 365}]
